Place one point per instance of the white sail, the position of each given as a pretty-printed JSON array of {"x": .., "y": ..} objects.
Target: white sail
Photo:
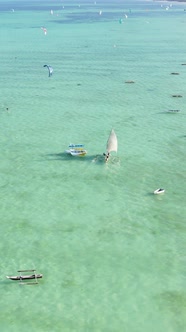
[{"x": 112, "y": 143}]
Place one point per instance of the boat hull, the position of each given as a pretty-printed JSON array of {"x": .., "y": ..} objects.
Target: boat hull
[
  {"x": 76, "y": 153},
  {"x": 26, "y": 277},
  {"x": 159, "y": 191}
]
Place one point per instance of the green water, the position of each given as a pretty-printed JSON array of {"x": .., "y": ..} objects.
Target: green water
[{"x": 111, "y": 253}]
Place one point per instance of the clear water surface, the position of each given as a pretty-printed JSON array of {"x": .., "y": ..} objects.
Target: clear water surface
[{"x": 112, "y": 254}]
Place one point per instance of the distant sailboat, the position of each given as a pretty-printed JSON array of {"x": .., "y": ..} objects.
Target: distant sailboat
[{"x": 112, "y": 145}]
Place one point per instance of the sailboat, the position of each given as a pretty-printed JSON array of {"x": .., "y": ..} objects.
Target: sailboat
[{"x": 112, "y": 145}]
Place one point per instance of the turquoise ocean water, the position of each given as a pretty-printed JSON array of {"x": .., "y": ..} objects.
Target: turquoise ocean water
[{"x": 112, "y": 254}]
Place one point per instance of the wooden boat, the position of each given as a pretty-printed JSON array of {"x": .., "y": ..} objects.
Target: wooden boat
[
  {"x": 76, "y": 150},
  {"x": 159, "y": 191},
  {"x": 173, "y": 111},
  {"x": 25, "y": 277},
  {"x": 22, "y": 277}
]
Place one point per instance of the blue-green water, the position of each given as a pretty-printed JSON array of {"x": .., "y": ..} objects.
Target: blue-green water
[{"x": 112, "y": 254}]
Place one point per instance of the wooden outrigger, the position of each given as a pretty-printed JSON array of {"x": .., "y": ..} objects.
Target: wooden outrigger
[{"x": 23, "y": 277}]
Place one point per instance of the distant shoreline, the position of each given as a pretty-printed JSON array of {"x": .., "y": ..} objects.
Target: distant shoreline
[{"x": 172, "y": 0}]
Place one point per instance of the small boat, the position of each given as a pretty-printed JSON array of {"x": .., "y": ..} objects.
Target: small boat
[
  {"x": 112, "y": 145},
  {"x": 76, "y": 150},
  {"x": 25, "y": 277},
  {"x": 159, "y": 191},
  {"x": 173, "y": 111}
]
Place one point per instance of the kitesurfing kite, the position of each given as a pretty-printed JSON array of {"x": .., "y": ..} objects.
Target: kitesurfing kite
[{"x": 50, "y": 70}]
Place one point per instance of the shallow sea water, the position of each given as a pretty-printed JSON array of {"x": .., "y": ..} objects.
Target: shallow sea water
[{"x": 112, "y": 253}]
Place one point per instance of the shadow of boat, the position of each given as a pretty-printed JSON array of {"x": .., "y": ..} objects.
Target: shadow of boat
[{"x": 65, "y": 157}]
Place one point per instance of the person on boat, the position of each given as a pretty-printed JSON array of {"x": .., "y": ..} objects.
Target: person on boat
[{"x": 106, "y": 155}]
